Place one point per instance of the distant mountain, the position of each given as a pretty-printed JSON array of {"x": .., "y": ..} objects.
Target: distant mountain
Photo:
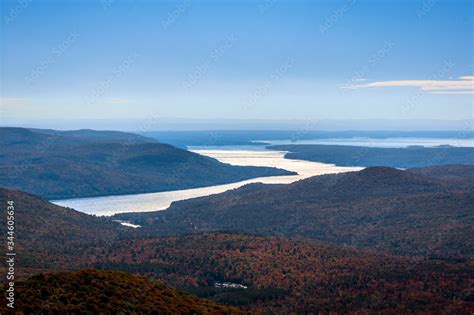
[
  {"x": 401, "y": 212},
  {"x": 47, "y": 137},
  {"x": 89, "y": 135},
  {"x": 218, "y": 137},
  {"x": 302, "y": 126},
  {"x": 367, "y": 156},
  {"x": 86, "y": 163},
  {"x": 105, "y": 292}
]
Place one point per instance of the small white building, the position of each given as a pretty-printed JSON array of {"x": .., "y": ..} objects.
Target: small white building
[{"x": 229, "y": 285}]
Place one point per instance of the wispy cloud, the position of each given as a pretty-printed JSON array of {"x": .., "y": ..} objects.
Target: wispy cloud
[
  {"x": 463, "y": 85},
  {"x": 454, "y": 92}
]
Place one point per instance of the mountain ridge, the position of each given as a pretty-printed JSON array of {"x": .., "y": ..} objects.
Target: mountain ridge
[
  {"x": 393, "y": 210},
  {"x": 62, "y": 167},
  {"x": 282, "y": 274}
]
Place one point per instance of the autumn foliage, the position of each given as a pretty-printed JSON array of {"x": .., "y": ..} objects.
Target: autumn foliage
[
  {"x": 310, "y": 276},
  {"x": 106, "y": 292}
]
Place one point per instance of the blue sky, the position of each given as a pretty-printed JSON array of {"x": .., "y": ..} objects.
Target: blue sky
[{"x": 352, "y": 59}]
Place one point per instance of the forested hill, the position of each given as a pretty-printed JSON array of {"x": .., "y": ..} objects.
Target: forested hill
[
  {"x": 381, "y": 208},
  {"x": 415, "y": 156},
  {"x": 50, "y": 237},
  {"x": 297, "y": 276},
  {"x": 15, "y": 136},
  {"x": 458, "y": 173},
  {"x": 281, "y": 275},
  {"x": 85, "y": 163},
  {"x": 106, "y": 292}
]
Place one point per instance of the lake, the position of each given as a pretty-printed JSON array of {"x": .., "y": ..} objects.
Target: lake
[
  {"x": 381, "y": 143},
  {"x": 109, "y": 205}
]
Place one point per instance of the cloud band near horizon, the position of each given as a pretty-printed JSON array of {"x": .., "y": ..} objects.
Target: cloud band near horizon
[{"x": 462, "y": 86}]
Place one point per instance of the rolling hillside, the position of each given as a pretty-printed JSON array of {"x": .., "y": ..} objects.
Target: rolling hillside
[
  {"x": 106, "y": 292},
  {"x": 15, "y": 136},
  {"x": 281, "y": 274},
  {"x": 462, "y": 174},
  {"x": 401, "y": 212},
  {"x": 301, "y": 276},
  {"x": 50, "y": 238},
  {"x": 73, "y": 164}
]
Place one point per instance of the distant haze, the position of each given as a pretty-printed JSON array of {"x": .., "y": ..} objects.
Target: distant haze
[{"x": 177, "y": 124}]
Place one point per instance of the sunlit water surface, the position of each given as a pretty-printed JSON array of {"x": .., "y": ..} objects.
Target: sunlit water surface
[
  {"x": 110, "y": 205},
  {"x": 381, "y": 143}
]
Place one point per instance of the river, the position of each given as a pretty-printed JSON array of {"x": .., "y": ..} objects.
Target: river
[{"x": 109, "y": 205}]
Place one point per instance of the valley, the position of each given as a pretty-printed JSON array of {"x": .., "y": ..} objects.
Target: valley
[
  {"x": 320, "y": 238},
  {"x": 282, "y": 274},
  {"x": 84, "y": 163},
  {"x": 237, "y": 157},
  {"x": 110, "y": 205},
  {"x": 401, "y": 212}
]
